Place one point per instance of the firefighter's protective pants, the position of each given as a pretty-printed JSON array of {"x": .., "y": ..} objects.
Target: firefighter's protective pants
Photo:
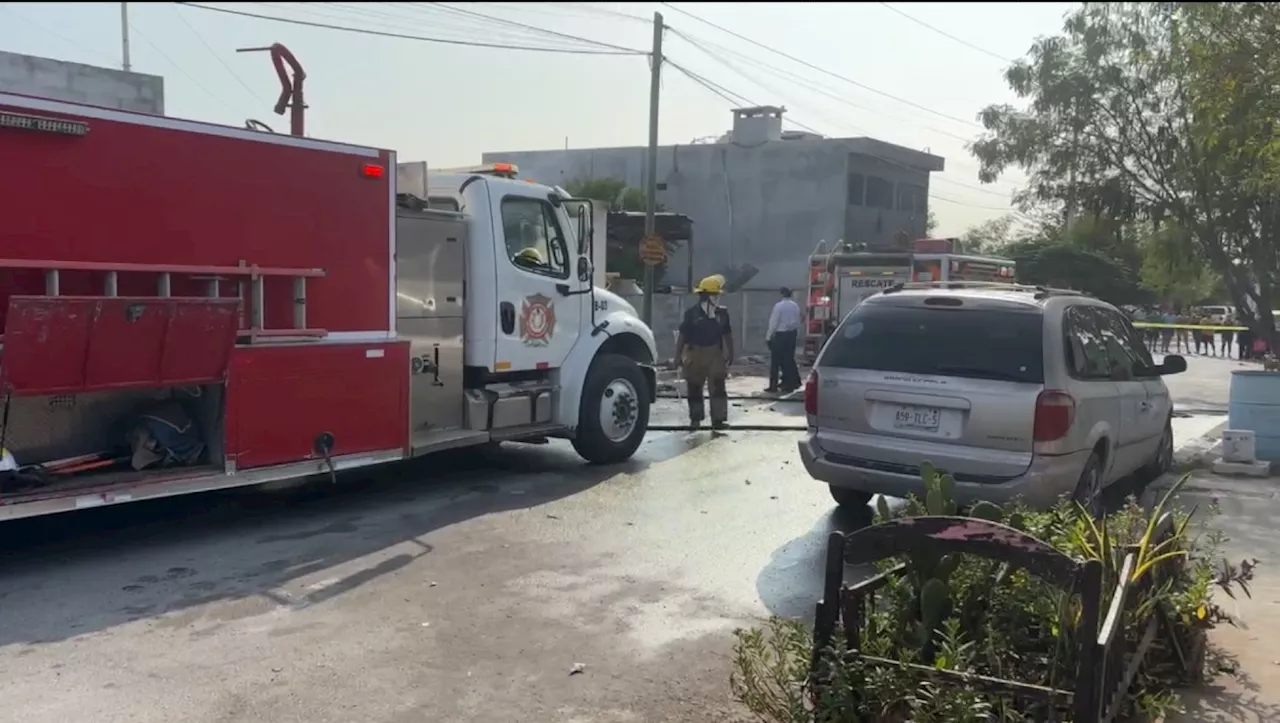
[{"x": 705, "y": 365}]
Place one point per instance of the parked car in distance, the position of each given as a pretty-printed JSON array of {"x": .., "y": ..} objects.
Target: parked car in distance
[
  {"x": 1216, "y": 314},
  {"x": 1016, "y": 391}
]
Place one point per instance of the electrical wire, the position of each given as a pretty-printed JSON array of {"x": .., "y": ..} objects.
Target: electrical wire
[
  {"x": 397, "y": 22},
  {"x": 945, "y": 34},
  {"x": 738, "y": 71},
  {"x": 737, "y": 98},
  {"x": 407, "y": 36},
  {"x": 707, "y": 47},
  {"x": 133, "y": 28},
  {"x": 525, "y": 26},
  {"x": 820, "y": 69},
  {"x": 216, "y": 56},
  {"x": 78, "y": 45}
]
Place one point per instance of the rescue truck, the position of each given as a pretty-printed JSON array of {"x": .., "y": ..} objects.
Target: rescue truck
[
  {"x": 192, "y": 307},
  {"x": 840, "y": 279}
]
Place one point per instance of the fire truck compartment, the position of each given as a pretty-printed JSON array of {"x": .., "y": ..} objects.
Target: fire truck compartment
[
  {"x": 283, "y": 399},
  {"x": 280, "y": 404},
  {"x": 71, "y": 345},
  {"x": 42, "y": 429}
]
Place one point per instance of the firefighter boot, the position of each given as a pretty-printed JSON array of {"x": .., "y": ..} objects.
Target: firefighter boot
[
  {"x": 694, "y": 394},
  {"x": 719, "y": 403}
]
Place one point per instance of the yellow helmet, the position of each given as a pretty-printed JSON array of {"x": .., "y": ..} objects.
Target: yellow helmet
[
  {"x": 710, "y": 285},
  {"x": 531, "y": 255}
]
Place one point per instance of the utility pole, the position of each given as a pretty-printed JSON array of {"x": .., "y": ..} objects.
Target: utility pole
[
  {"x": 124, "y": 37},
  {"x": 651, "y": 166}
]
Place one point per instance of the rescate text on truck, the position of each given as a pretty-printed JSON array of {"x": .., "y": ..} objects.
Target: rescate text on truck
[{"x": 190, "y": 307}]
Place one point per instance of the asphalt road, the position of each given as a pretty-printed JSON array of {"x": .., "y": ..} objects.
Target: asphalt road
[{"x": 461, "y": 588}]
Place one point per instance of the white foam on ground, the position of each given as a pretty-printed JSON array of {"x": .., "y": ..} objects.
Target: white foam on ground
[{"x": 1188, "y": 430}]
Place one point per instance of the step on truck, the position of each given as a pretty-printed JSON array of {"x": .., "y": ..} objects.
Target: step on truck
[{"x": 191, "y": 307}]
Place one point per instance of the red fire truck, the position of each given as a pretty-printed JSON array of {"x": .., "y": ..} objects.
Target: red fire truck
[
  {"x": 190, "y": 307},
  {"x": 839, "y": 279}
]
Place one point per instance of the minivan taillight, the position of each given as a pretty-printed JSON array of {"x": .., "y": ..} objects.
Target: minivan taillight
[
  {"x": 811, "y": 393},
  {"x": 1055, "y": 411}
]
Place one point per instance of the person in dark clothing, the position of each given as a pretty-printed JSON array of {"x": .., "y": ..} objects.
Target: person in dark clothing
[
  {"x": 1244, "y": 342},
  {"x": 784, "y": 328},
  {"x": 704, "y": 349}
]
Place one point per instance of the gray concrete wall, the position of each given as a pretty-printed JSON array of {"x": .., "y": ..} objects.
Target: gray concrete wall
[
  {"x": 767, "y": 204},
  {"x": 59, "y": 80}
]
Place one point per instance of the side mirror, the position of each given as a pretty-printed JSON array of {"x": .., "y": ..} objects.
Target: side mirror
[{"x": 1172, "y": 364}]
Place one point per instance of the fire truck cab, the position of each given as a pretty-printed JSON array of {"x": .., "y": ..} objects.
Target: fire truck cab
[
  {"x": 840, "y": 279},
  {"x": 190, "y": 307}
]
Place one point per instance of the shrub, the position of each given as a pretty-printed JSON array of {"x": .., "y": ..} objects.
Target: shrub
[{"x": 979, "y": 617}]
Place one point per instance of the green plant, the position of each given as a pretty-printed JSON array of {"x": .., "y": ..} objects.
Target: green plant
[{"x": 981, "y": 617}]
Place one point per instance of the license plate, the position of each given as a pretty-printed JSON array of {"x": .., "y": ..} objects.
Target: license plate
[{"x": 923, "y": 419}]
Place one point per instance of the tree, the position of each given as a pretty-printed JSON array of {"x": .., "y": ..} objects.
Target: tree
[
  {"x": 622, "y": 258},
  {"x": 1174, "y": 269},
  {"x": 617, "y": 194},
  {"x": 990, "y": 236},
  {"x": 1136, "y": 114},
  {"x": 930, "y": 223}
]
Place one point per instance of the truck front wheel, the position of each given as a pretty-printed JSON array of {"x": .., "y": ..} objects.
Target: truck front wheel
[{"x": 613, "y": 414}]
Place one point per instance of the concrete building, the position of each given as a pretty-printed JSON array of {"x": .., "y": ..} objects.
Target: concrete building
[
  {"x": 762, "y": 195},
  {"x": 59, "y": 80}
]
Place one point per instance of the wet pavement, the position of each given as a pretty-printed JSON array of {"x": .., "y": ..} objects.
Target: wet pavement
[{"x": 460, "y": 588}]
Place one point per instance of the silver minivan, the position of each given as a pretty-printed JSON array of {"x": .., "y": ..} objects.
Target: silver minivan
[{"x": 1016, "y": 391}]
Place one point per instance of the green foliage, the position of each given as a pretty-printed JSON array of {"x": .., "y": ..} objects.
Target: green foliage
[
  {"x": 622, "y": 259},
  {"x": 989, "y": 237},
  {"x": 930, "y": 223},
  {"x": 981, "y": 617},
  {"x": 611, "y": 191},
  {"x": 1158, "y": 114}
]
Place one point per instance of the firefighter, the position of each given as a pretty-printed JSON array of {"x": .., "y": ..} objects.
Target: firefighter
[{"x": 704, "y": 349}]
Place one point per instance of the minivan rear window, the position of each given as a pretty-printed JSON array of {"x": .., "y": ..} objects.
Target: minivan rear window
[{"x": 971, "y": 343}]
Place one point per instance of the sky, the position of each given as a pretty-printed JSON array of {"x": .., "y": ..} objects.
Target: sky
[{"x": 915, "y": 74}]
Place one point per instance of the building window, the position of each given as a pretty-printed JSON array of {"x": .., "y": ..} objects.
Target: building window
[
  {"x": 879, "y": 193},
  {"x": 912, "y": 199},
  {"x": 857, "y": 186}
]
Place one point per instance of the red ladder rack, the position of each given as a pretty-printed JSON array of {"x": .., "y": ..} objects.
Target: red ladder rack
[
  {"x": 249, "y": 278},
  {"x": 58, "y": 343}
]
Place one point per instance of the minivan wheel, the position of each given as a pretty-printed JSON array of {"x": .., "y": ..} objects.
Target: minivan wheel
[
  {"x": 848, "y": 498},
  {"x": 1089, "y": 489},
  {"x": 1163, "y": 461}
]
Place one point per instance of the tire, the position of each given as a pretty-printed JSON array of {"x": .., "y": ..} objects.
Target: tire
[
  {"x": 1088, "y": 490},
  {"x": 612, "y": 379},
  {"x": 1163, "y": 461},
  {"x": 849, "y": 499}
]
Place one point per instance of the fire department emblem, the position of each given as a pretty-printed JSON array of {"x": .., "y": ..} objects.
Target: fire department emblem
[{"x": 537, "y": 320}]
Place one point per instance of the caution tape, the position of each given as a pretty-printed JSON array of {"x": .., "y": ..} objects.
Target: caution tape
[{"x": 1195, "y": 327}]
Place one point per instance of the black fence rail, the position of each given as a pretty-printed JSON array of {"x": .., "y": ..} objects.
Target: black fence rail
[{"x": 1106, "y": 660}]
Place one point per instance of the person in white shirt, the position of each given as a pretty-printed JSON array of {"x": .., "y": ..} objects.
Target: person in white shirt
[{"x": 784, "y": 327}]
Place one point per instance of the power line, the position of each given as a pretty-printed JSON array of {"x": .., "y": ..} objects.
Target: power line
[
  {"x": 890, "y": 161},
  {"x": 78, "y": 45},
  {"x": 736, "y": 98},
  {"x": 945, "y": 34},
  {"x": 707, "y": 46},
  {"x": 398, "y": 22},
  {"x": 811, "y": 66},
  {"x": 406, "y": 36},
  {"x": 526, "y": 26},
  {"x": 183, "y": 70},
  {"x": 216, "y": 56}
]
